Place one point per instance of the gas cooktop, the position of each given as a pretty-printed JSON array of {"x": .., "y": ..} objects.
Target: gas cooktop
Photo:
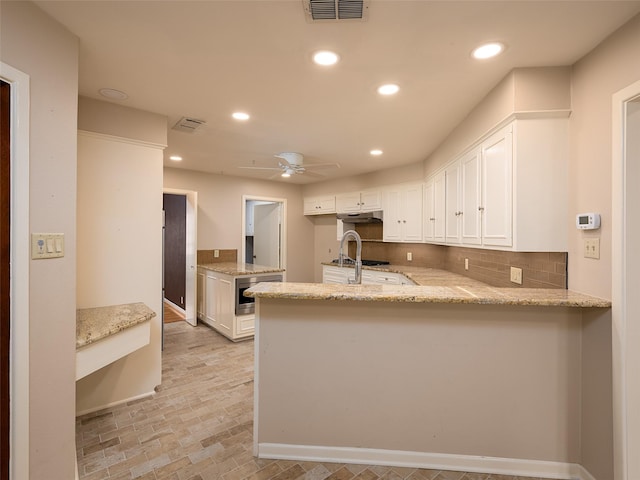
[{"x": 368, "y": 263}]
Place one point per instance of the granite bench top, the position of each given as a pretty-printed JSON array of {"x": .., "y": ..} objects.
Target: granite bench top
[
  {"x": 434, "y": 286},
  {"x": 93, "y": 324},
  {"x": 238, "y": 268}
]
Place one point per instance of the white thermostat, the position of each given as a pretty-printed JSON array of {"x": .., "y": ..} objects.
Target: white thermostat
[{"x": 588, "y": 221}]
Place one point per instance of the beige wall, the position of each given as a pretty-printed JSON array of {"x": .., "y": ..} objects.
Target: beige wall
[
  {"x": 120, "y": 253},
  {"x": 220, "y": 215},
  {"x": 516, "y": 372},
  {"x": 610, "y": 67},
  {"x": 36, "y": 45}
]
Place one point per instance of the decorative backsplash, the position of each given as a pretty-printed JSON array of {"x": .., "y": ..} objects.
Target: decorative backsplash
[
  {"x": 207, "y": 256},
  {"x": 539, "y": 269}
]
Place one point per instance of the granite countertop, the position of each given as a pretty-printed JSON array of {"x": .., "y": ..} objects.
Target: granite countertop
[
  {"x": 239, "y": 268},
  {"x": 93, "y": 324},
  {"x": 434, "y": 286}
]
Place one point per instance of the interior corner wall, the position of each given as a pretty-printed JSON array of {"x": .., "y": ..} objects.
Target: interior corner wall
[
  {"x": 220, "y": 215},
  {"x": 120, "y": 249},
  {"x": 43, "y": 49},
  {"x": 609, "y": 68}
]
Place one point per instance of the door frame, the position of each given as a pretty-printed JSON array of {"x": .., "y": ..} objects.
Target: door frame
[
  {"x": 243, "y": 223},
  {"x": 19, "y": 284},
  {"x": 192, "y": 253},
  {"x": 626, "y": 359}
]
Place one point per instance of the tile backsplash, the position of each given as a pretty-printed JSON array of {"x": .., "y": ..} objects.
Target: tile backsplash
[
  {"x": 539, "y": 269},
  {"x": 207, "y": 256}
]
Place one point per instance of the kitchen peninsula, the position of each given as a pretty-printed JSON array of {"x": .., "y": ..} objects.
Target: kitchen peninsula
[{"x": 452, "y": 376}]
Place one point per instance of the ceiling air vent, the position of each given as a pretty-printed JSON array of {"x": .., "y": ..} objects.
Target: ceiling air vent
[
  {"x": 332, "y": 10},
  {"x": 189, "y": 125}
]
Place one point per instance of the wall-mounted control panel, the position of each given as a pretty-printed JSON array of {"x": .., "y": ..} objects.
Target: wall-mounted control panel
[
  {"x": 47, "y": 245},
  {"x": 588, "y": 221}
]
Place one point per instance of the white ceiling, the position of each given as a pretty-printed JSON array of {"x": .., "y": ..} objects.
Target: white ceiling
[{"x": 207, "y": 59}]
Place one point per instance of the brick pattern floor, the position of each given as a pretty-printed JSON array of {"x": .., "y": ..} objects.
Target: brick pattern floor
[{"x": 199, "y": 424}]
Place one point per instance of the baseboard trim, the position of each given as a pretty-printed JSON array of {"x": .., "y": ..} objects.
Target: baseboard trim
[
  {"x": 435, "y": 461},
  {"x": 114, "y": 404}
]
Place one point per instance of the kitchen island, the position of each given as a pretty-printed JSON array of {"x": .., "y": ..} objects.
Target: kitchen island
[{"x": 459, "y": 377}]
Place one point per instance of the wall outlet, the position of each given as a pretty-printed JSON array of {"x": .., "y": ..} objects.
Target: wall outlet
[
  {"x": 592, "y": 248},
  {"x": 216, "y": 253},
  {"x": 516, "y": 275},
  {"x": 409, "y": 256},
  {"x": 466, "y": 264}
]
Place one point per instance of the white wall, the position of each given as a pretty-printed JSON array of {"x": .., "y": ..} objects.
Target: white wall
[
  {"x": 120, "y": 244},
  {"x": 220, "y": 215},
  {"x": 40, "y": 47}
]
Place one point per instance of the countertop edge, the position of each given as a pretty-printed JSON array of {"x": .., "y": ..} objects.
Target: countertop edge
[
  {"x": 425, "y": 294},
  {"x": 236, "y": 269}
]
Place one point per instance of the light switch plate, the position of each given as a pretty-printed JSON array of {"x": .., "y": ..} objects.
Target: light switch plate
[
  {"x": 47, "y": 245},
  {"x": 592, "y": 248}
]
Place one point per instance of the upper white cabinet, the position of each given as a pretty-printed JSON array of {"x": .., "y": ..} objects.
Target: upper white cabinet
[
  {"x": 320, "y": 205},
  {"x": 507, "y": 191},
  {"x": 434, "y": 208},
  {"x": 366, "y": 201},
  {"x": 402, "y": 208}
]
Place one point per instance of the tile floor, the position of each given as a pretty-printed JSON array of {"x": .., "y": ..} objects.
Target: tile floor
[{"x": 198, "y": 426}]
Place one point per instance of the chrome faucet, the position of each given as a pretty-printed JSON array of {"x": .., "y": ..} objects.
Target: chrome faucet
[{"x": 358, "y": 260}]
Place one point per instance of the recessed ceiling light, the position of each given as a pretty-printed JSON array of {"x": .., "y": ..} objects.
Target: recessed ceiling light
[
  {"x": 488, "y": 50},
  {"x": 325, "y": 58},
  {"x": 175, "y": 158},
  {"x": 388, "y": 89},
  {"x": 113, "y": 94},
  {"x": 376, "y": 152},
  {"x": 242, "y": 116}
]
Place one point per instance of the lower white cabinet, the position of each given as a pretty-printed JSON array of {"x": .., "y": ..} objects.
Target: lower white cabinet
[
  {"x": 216, "y": 305},
  {"x": 342, "y": 275}
]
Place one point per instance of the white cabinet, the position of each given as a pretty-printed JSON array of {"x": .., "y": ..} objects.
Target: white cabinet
[
  {"x": 319, "y": 205},
  {"x": 462, "y": 199},
  {"x": 507, "y": 191},
  {"x": 331, "y": 274},
  {"x": 337, "y": 274},
  {"x": 366, "y": 201},
  {"x": 402, "y": 208},
  {"x": 200, "y": 293},
  {"x": 497, "y": 189},
  {"x": 434, "y": 208}
]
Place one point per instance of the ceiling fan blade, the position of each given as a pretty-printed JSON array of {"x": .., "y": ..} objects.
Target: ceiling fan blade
[
  {"x": 261, "y": 168},
  {"x": 321, "y": 165}
]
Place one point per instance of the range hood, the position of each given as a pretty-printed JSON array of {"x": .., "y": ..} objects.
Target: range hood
[{"x": 361, "y": 217}]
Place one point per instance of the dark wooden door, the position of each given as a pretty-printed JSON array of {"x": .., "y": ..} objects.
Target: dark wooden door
[
  {"x": 5, "y": 311},
  {"x": 175, "y": 247}
]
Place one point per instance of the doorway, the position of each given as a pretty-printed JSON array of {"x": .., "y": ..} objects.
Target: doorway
[
  {"x": 626, "y": 281},
  {"x": 264, "y": 231},
  {"x": 183, "y": 208},
  {"x": 17, "y": 441}
]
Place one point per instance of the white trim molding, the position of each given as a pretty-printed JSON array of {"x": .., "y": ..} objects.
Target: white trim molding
[
  {"x": 434, "y": 461},
  {"x": 19, "y": 284},
  {"x": 626, "y": 359}
]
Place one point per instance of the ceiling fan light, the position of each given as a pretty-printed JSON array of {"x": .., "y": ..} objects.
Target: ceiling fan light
[{"x": 285, "y": 174}]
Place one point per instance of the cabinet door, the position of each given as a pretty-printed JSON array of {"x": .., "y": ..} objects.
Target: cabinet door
[
  {"x": 428, "y": 225},
  {"x": 470, "y": 218},
  {"x": 370, "y": 201},
  {"x": 497, "y": 164},
  {"x": 226, "y": 303},
  {"x": 319, "y": 205},
  {"x": 200, "y": 294},
  {"x": 347, "y": 203},
  {"x": 392, "y": 225},
  {"x": 452, "y": 195},
  {"x": 211, "y": 299},
  {"x": 412, "y": 212},
  {"x": 439, "y": 211}
]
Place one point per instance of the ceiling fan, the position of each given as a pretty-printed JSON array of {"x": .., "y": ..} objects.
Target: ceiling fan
[{"x": 292, "y": 163}]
